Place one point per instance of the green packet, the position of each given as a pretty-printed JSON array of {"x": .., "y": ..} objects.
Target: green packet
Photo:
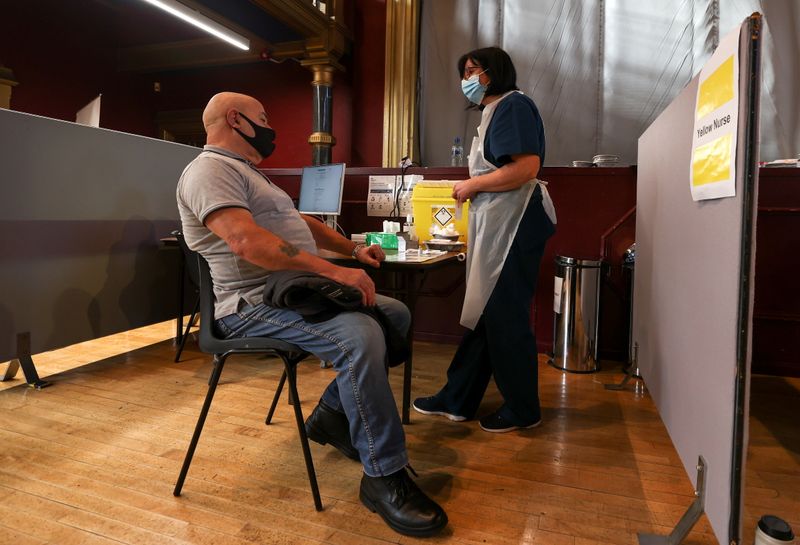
[{"x": 387, "y": 241}]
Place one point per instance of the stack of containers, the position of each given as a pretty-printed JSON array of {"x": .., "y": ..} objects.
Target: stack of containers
[{"x": 604, "y": 160}]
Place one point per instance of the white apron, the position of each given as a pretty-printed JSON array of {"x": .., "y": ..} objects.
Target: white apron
[{"x": 493, "y": 222}]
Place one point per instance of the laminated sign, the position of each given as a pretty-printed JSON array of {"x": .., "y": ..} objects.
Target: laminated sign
[{"x": 713, "y": 167}]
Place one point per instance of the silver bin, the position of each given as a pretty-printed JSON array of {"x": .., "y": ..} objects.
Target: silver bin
[{"x": 576, "y": 307}]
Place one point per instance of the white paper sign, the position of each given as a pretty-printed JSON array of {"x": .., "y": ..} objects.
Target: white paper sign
[
  {"x": 712, "y": 172},
  {"x": 557, "y": 284},
  {"x": 90, "y": 114},
  {"x": 388, "y": 193}
]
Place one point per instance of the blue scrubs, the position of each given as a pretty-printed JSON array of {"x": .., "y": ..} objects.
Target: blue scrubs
[
  {"x": 516, "y": 128},
  {"x": 502, "y": 344}
]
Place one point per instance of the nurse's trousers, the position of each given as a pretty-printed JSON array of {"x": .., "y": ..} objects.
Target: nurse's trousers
[{"x": 502, "y": 343}]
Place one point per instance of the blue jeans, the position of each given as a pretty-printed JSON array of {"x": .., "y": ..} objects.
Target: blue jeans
[{"x": 354, "y": 343}]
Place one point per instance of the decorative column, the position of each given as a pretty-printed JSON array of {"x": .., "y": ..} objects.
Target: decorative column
[
  {"x": 400, "y": 95},
  {"x": 321, "y": 139},
  {"x": 7, "y": 81}
]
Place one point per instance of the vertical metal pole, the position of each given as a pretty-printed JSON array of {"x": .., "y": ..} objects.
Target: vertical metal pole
[{"x": 321, "y": 139}]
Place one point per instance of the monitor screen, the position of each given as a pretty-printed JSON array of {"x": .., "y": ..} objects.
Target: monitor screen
[{"x": 321, "y": 189}]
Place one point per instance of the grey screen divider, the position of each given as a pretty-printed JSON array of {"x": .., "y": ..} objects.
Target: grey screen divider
[
  {"x": 692, "y": 316},
  {"x": 81, "y": 213}
]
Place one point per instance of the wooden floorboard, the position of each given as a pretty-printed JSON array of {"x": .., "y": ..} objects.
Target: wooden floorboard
[{"x": 93, "y": 459}]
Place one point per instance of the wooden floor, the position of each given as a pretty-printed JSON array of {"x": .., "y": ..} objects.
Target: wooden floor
[
  {"x": 772, "y": 484},
  {"x": 93, "y": 459}
]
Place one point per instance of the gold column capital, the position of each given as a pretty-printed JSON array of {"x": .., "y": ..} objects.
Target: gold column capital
[{"x": 322, "y": 74}]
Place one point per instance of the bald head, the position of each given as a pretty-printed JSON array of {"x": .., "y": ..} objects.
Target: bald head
[
  {"x": 221, "y": 119},
  {"x": 221, "y": 103}
]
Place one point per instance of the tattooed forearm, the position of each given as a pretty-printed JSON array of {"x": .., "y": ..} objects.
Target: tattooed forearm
[{"x": 289, "y": 249}]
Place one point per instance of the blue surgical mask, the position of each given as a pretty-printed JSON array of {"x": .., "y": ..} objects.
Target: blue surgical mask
[{"x": 473, "y": 89}]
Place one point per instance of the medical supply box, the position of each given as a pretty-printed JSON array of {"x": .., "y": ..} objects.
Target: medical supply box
[
  {"x": 387, "y": 241},
  {"x": 434, "y": 209}
]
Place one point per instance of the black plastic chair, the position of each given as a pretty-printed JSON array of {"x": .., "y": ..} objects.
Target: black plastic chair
[{"x": 222, "y": 348}]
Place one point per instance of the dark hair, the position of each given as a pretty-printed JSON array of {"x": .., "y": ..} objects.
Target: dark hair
[{"x": 501, "y": 72}]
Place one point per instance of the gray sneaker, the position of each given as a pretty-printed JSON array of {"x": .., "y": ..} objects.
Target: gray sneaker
[
  {"x": 432, "y": 406},
  {"x": 496, "y": 423}
]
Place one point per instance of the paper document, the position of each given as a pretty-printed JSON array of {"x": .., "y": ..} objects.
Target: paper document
[{"x": 414, "y": 256}]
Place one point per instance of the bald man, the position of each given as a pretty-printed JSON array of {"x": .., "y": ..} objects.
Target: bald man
[{"x": 245, "y": 227}]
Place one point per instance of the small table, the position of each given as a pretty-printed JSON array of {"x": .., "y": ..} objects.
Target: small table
[{"x": 413, "y": 275}]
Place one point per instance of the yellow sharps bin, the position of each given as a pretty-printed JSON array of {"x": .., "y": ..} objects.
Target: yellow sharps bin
[{"x": 434, "y": 206}]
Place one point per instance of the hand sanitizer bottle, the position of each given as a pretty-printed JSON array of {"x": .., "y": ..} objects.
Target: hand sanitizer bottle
[{"x": 457, "y": 153}]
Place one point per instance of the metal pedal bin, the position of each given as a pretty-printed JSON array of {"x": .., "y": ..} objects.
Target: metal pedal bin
[{"x": 576, "y": 307}]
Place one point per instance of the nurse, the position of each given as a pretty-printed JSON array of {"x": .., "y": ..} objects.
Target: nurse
[{"x": 511, "y": 216}]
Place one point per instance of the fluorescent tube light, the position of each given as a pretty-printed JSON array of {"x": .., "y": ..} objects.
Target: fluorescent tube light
[{"x": 202, "y": 22}]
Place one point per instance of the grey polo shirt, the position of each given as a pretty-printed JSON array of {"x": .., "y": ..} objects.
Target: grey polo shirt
[{"x": 216, "y": 179}]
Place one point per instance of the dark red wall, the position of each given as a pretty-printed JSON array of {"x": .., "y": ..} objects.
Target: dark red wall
[
  {"x": 776, "y": 311},
  {"x": 67, "y": 57},
  {"x": 368, "y": 67},
  {"x": 63, "y": 60},
  {"x": 284, "y": 90},
  {"x": 590, "y": 202},
  {"x": 596, "y": 218}
]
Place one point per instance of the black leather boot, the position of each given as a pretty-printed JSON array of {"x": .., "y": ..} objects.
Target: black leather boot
[
  {"x": 328, "y": 426},
  {"x": 402, "y": 505}
]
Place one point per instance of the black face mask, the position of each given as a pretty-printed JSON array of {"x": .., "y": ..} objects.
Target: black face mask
[{"x": 262, "y": 142}]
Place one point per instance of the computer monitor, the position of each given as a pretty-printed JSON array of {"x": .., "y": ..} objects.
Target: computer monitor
[{"x": 321, "y": 190}]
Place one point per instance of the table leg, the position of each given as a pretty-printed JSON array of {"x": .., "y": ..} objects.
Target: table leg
[
  {"x": 407, "y": 387},
  {"x": 411, "y": 303}
]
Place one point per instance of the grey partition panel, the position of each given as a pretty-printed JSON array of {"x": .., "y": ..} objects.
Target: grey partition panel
[
  {"x": 691, "y": 301},
  {"x": 81, "y": 213}
]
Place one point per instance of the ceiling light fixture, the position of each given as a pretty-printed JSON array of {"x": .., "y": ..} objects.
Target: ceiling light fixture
[{"x": 202, "y": 22}]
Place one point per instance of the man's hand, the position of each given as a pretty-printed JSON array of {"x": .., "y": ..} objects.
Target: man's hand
[
  {"x": 356, "y": 278},
  {"x": 370, "y": 255}
]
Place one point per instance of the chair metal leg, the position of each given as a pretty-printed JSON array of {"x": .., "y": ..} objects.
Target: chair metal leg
[
  {"x": 219, "y": 362},
  {"x": 275, "y": 399},
  {"x": 301, "y": 429},
  {"x": 189, "y": 326}
]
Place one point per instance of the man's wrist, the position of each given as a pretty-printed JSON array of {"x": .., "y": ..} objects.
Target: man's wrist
[{"x": 356, "y": 248}]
